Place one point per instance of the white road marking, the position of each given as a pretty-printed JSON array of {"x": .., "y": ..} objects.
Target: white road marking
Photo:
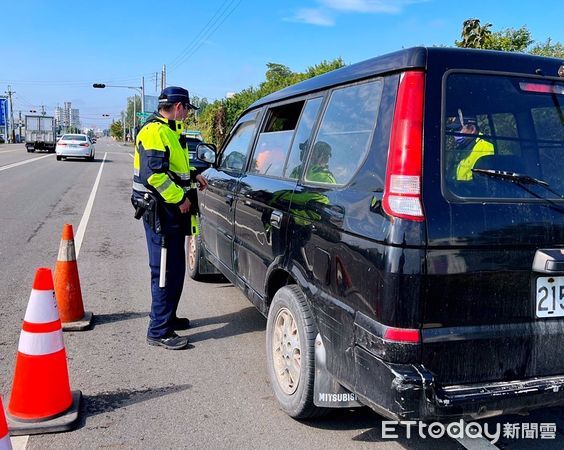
[
  {"x": 10, "y": 151},
  {"x": 84, "y": 221},
  {"x": 19, "y": 442},
  {"x": 478, "y": 443},
  {"x": 10, "y": 166}
]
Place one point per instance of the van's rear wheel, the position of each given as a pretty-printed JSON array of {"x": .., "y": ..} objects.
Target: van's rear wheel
[{"x": 290, "y": 353}]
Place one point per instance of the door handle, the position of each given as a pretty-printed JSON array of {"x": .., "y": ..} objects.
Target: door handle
[{"x": 275, "y": 219}]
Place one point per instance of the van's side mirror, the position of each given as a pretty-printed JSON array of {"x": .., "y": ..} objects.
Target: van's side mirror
[{"x": 206, "y": 152}]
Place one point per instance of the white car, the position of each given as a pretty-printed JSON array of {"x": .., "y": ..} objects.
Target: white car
[{"x": 75, "y": 145}]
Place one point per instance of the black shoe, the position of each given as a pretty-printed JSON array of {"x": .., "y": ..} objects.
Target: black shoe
[
  {"x": 180, "y": 323},
  {"x": 172, "y": 342}
]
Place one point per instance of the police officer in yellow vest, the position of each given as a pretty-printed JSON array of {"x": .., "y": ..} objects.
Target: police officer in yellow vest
[
  {"x": 469, "y": 140},
  {"x": 161, "y": 186}
]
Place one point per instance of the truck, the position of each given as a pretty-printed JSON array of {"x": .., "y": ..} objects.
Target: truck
[{"x": 40, "y": 133}]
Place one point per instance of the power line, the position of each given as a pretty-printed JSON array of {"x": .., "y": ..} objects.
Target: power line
[
  {"x": 202, "y": 30},
  {"x": 195, "y": 46},
  {"x": 218, "y": 18}
]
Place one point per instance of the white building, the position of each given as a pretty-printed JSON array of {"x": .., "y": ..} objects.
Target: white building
[{"x": 67, "y": 117}]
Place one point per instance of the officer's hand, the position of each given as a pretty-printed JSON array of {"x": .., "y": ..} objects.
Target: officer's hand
[
  {"x": 184, "y": 206},
  {"x": 203, "y": 182}
]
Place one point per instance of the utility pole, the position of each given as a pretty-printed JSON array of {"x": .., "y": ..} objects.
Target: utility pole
[
  {"x": 123, "y": 125},
  {"x": 43, "y": 110},
  {"x": 156, "y": 81},
  {"x": 163, "y": 77},
  {"x": 12, "y": 136},
  {"x": 133, "y": 120},
  {"x": 20, "y": 125},
  {"x": 143, "y": 94}
]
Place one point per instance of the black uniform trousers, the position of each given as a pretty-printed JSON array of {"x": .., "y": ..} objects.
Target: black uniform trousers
[{"x": 165, "y": 300}]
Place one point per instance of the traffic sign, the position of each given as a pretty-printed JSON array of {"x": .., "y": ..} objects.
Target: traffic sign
[{"x": 143, "y": 116}]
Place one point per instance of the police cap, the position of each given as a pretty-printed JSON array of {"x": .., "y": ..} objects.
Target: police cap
[{"x": 175, "y": 94}]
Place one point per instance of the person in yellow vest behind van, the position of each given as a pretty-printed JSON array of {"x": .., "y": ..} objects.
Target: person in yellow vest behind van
[{"x": 470, "y": 142}]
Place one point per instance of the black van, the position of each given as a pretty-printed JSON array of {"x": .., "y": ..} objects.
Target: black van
[{"x": 401, "y": 224}]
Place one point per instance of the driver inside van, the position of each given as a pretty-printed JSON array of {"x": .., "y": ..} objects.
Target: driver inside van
[
  {"x": 319, "y": 165},
  {"x": 470, "y": 143}
]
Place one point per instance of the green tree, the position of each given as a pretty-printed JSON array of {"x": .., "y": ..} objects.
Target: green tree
[
  {"x": 217, "y": 118},
  {"x": 129, "y": 111},
  {"x": 474, "y": 35},
  {"x": 548, "y": 49},
  {"x": 116, "y": 130},
  {"x": 192, "y": 121},
  {"x": 510, "y": 40}
]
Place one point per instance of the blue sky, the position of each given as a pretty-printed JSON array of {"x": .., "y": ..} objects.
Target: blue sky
[{"x": 54, "y": 50}]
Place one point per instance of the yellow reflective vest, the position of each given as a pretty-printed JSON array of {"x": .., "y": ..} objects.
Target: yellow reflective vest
[
  {"x": 480, "y": 148},
  {"x": 160, "y": 164}
]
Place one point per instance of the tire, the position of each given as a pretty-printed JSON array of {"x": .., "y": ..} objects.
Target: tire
[
  {"x": 193, "y": 255},
  {"x": 291, "y": 326},
  {"x": 58, "y": 157}
]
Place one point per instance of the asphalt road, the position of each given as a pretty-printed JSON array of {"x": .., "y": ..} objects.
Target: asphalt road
[{"x": 215, "y": 394}]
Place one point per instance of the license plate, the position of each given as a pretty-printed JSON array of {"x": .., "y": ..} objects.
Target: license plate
[{"x": 550, "y": 297}]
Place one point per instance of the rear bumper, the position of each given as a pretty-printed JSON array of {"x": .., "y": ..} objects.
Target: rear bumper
[
  {"x": 79, "y": 153},
  {"x": 404, "y": 391},
  {"x": 40, "y": 145}
]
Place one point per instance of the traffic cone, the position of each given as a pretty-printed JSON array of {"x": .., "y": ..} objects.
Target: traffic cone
[
  {"x": 5, "y": 442},
  {"x": 41, "y": 399},
  {"x": 67, "y": 286}
]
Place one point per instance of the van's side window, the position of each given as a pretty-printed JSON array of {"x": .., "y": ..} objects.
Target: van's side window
[
  {"x": 298, "y": 152},
  {"x": 274, "y": 141},
  {"x": 235, "y": 153},
  {"x": 344, "y": 134}
]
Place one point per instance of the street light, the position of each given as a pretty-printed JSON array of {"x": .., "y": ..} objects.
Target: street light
[{"x": 140, "y": 89}]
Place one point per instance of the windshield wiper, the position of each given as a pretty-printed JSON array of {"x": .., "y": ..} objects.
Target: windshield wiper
[{"x": 521, "y": 180}]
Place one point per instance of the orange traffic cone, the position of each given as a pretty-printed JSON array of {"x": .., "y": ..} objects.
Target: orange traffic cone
[
  {"x": 41, "y": 399},
  {"x": 67, "y": 286},
  {"x": 5, "y": 442}
]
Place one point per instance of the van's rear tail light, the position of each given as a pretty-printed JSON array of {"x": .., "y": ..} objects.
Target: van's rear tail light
[
  {"x": 61, "y": 143},
  {"x": 542, "y": 88},
  {"x": 402, "y": 195},
  {"x": 402, "y": 335}
]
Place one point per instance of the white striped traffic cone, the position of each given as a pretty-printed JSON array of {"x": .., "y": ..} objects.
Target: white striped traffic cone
[
  {"x": 67, "y": 286},
  {"x": 41, "y": 399}
]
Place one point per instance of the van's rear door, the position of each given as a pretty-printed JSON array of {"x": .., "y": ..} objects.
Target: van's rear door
[{"x": 489, "y": 312}]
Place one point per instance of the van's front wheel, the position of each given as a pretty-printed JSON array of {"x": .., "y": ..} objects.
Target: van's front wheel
[{"x": 290, "y": 352}]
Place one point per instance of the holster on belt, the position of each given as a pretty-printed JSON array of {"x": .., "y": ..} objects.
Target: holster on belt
[{"x": 146, "y": 206}]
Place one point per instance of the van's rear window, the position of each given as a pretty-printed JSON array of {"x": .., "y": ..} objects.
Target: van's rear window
[{"x": 503, "y": 137}]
